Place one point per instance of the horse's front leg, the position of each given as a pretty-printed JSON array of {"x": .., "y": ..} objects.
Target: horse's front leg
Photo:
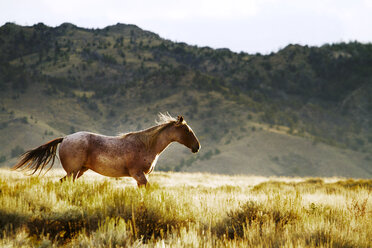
[{"x": 140, "y": 177}]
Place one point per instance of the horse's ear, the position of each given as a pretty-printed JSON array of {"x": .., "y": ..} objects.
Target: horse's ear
[{"x": 179, "y": 119}]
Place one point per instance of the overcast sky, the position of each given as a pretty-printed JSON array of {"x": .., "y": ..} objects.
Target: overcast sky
[{"x": 240, "y": 25}]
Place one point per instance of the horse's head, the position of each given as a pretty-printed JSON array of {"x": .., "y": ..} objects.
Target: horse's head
[{"x": 183, "y": 134}]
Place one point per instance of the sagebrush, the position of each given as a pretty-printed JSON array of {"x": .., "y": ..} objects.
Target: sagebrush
[{"x": 209, "y": 211}]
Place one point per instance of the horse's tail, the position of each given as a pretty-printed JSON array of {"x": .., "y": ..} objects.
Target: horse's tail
[{"x": 39, "y": 157}]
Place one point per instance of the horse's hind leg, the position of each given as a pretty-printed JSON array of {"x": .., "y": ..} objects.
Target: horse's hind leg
[
  {"x": 73, "y": 153},
  {"x": 73, "y": 168},
  {"x": 72, "y": 174},
  {"x": 75, "y": 175}
]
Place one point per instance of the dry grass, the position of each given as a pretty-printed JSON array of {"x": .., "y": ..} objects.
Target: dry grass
[{"x": 184, "y": 210}]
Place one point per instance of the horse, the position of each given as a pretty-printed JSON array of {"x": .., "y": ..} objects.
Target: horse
[{"x": 132, "y": 154}]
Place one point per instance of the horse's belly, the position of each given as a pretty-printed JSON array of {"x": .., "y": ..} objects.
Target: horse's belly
[{"x": 109, "y": 166}]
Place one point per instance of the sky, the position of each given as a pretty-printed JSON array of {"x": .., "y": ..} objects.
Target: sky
[{"x": 252, "y": 26}]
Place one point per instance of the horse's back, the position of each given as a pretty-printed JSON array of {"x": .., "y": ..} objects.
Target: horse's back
[{"x": 79, "y": 138}]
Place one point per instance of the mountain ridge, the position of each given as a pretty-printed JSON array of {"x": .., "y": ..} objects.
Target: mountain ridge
[{"x": 116, "y": 79}]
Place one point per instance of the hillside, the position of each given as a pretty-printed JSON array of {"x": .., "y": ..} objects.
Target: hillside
[{"x": 300, "y": 111}]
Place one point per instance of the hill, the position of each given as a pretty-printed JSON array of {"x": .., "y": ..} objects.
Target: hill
[{"x": 300, "y": 111}]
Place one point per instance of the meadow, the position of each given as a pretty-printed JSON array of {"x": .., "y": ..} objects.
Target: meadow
[{"x": 184, "y": 210}]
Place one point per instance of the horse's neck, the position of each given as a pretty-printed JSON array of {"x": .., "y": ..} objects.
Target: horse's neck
[
  {"x": 162, "y": 141},
  {"x": 157, "y": 138}
]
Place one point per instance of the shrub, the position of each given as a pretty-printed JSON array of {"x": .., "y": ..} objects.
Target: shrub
[{"x": 251, "y": 213}]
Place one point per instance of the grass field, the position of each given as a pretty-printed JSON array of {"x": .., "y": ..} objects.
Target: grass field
[{"x": 184, "y": 210}]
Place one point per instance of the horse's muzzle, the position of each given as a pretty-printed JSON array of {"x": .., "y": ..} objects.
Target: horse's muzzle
[{"x": 195, "y": 149}]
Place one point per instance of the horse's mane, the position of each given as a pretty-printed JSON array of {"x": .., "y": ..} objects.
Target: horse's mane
[
  {"x": 148, "y": 136},
  {"x": 165, "y": 118}
]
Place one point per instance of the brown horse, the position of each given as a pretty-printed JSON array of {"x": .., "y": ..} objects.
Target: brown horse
[{"x": 133, "y": 154}]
